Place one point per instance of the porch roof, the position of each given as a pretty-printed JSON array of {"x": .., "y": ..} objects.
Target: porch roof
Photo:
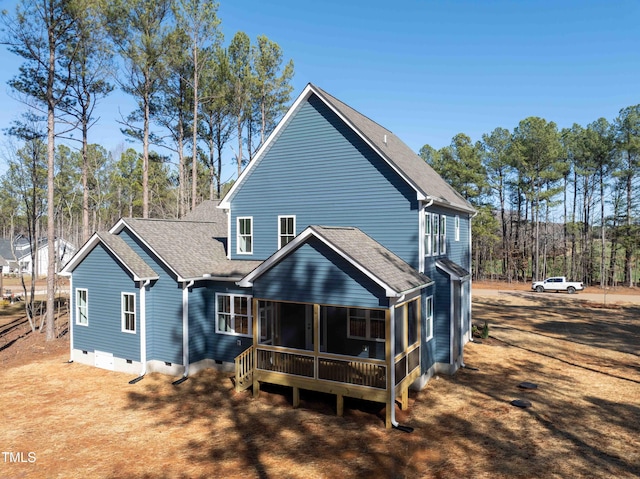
[
  {"x": 453, "y": 269},
  {"x": 384, "y": 267}
]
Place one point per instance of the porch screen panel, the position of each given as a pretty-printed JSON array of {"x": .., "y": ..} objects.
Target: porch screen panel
[
  {"x": 400, "y": 330},
  {"x": 412, "y": 316}
]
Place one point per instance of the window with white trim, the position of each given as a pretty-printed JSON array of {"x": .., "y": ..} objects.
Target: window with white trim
[
  {"x": 245, "y": 235},
  {"x": 427, "y": 234},
  {"x": 428, "y": 317},
  {"x": 456, "y": 225},
  {"x": 129, "y": 312},
  {"x": 366, "y": 324},
  {"x": 443, "y": 234},
  {"x": 233, "y": 314},
  {"x": 82, "y": 307},
  {"x": 436, "y": 233},
  {"x": 286, "y": 230}
]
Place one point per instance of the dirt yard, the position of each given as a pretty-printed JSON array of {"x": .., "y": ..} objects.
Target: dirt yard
[{"x": 73, "y": 421}]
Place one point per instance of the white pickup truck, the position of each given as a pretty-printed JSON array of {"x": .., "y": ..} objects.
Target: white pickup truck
[{"x": 559, "y": 283}]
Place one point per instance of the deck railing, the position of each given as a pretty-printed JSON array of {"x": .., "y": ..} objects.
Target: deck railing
[
  {"x": 370, "y": 373},
  {"x": 361, "y": 372},
  {"x": 244, "y": 369}
]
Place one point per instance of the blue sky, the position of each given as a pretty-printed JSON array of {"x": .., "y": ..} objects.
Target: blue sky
[{"x": 428, "y": 70}]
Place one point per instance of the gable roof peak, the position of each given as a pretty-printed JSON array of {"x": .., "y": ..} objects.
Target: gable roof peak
[{"x": 426, "y": 182}]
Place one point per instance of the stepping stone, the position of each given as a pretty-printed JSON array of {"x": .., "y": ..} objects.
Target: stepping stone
[
  {"x": 523, "y": 403},
  {"x": 527, "y": 385}
]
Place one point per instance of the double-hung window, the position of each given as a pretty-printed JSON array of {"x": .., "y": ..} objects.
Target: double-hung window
[
  {"x": 443, "y": 234},
  {"x": 128, "y": 312},
  {"x": 286, "y": 230},
  {"x": 233, "y": 314},
  {"x": 428, "y": 315},
  {"x": 245, "y": 235},
  {"x": 436, "y": 233},
  {"x": 82, "y": 307},
  {"x": 427, "y": 234},
  {"x": 366, "y": 324},
  {"x": 456, "y": 226}
]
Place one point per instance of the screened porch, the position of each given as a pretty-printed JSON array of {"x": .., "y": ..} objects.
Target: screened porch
[{"x": 334, "y": 349}]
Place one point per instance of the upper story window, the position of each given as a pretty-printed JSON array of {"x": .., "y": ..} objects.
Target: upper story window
[
  {"x": 443, "y": 234},
  {"x": 233, "y": 314},
  {"x": 456, "y": 226},
  {"x": 428, "y": 317},
  {"x": 435, "y": 227},
  {"x": 428, "y": 244},
  {"x": 286, "y": 230},
  {"x": 245, "y": 235},
  {"x": 82, "y": 307},
  {"x": 128, "y": 312}
]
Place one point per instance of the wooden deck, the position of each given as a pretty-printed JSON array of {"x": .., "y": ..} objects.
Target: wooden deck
[{"x": 348, "y": 376}]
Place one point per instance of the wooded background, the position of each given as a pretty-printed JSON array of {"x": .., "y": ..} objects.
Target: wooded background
[{"x": 550, "y": 201}]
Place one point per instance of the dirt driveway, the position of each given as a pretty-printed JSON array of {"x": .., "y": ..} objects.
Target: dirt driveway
[{"x": 73, "y": 421}]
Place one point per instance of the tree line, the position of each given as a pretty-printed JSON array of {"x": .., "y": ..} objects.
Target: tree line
[
  {"x": 195, "y": 95},
  {"x": 551, "y": 201}
]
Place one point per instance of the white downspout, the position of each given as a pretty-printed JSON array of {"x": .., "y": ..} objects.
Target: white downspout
[
  {"x": 185, "y": 328},
  {"x": 72, "y": 317},
  {"x": 392, "y": 373},
  {"x": 143, "y": 326}
]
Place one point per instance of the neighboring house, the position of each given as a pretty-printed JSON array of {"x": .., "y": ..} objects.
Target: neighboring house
[
  {"x": 64, "y": 251},
  {"x": 15, "y": 255},
  {"x": 338, "y": 262}
]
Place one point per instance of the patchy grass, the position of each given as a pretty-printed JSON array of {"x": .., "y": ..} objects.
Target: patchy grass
[{"x": 584, "y": 423}]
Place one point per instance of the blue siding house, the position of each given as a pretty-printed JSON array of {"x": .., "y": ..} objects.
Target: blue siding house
[{"x": 338, "y": 262}]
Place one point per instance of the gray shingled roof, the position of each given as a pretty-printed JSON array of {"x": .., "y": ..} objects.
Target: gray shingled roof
[
  {"x": 131, "y": 260},
  {"x": 414, "y": 168},
  {"x": 371, "y": 256},
  {"x": 453, "y": 268},
  {"x": 207, "y": 211},
  {"x": 191, "y": 249}
]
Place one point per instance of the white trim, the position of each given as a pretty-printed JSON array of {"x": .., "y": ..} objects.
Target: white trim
[
  {"x": 456, "y": 226},
  {"x": 143, "y": 325},
  {"x": 228, "y": 233},
  {"x": 306, "y": 93},
  {"x": 421, "y": 238},
  {"x": 250, "y": 235},
  {"x": 248, "y": 280},
  {"x": 72, "y": 318},
  {"x": 86, "y": 302},
  {"x": 123, "y": 322},
  {"x": 280, "y": 218},
  {"x": 185, "y": 327},
  {"x": 435, "y": 234},
  {"x": 452, "y": 274},
  {"x": 90, "y": 246},
  {"x": 232, "y": 315},
  {"x": 122, "y": 224},
  {"x": 443, "y": 234},
  {"x": 304, "y": 96},
  {"x": 428, "y": 315}
]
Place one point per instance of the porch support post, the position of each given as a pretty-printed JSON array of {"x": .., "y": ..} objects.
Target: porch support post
[
  {"x": 339, "y": 405},
  {"x": 404, "y": 403},
  {"x": 389, "y": 361},
  {"x": 316, "y": 337},
  {"x": 296, "y": 397},
  {"x": 256, "y": 340}
]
